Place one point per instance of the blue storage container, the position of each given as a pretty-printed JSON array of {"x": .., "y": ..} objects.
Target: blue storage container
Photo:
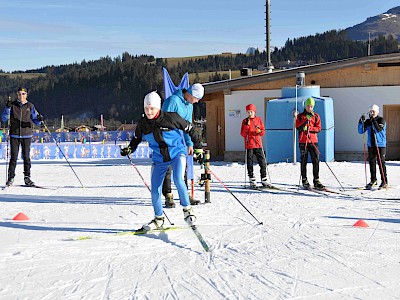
[{"x": 279, "y": 125}]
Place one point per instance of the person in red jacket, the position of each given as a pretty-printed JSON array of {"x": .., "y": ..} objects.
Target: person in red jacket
[
  {"x": 252, "y": 130},
  {"x": 308, "y": 123}
]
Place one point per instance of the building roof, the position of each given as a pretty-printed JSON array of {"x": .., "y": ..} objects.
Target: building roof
[
  {"x": 216, "y": 86},
  {"x": 127, "y": 127}
]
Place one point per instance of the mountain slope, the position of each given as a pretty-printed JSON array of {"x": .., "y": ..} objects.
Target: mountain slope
[{"x": 383, "y": 24}]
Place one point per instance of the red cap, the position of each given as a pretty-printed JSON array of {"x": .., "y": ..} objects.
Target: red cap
[{"x": 251, "y": 107}]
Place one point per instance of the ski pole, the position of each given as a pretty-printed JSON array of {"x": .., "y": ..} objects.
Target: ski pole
[
  {"x": 145, "y": 183},
  {"x": 266, "y": 164},
  {"x": 245, "y": 167},
  {"x": 383, "y": 172},
  {"x": 259, "y": 223},
  {"x": 365, "y": 156},
  {"x": 7, "y": 143},
  {"x": 316, "y": 148},
  {"x": 55, "y": 141},
  {"x": 305, "y": 152}
]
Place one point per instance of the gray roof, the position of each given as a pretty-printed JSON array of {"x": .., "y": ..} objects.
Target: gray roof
[{"x": 216, "y": 86}]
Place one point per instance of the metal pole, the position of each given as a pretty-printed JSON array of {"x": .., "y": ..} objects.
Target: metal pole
[{"x": 207, "y": 177}]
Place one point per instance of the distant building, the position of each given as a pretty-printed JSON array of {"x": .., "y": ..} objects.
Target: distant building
[{"x": 127, "y": 127}]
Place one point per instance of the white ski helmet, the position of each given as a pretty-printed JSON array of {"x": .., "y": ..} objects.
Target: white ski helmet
[{"x": 152, "y": 99}]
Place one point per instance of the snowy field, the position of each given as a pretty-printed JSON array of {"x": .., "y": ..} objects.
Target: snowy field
[{"x": 307, "y": 247}]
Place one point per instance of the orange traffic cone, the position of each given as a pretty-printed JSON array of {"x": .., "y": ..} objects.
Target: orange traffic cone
[
  {"x": 21, "y": 217},
  {"x": 360, "y": 223}
]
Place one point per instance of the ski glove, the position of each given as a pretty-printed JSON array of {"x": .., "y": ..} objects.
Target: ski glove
[
  {"x": 126, "y": 151},
  {"x": 199, "y": 155},
  {"x": 305, "y": 128},
  {"x": 247, "y": 122},
  {"x": 309, "y": 116},
  {"x": 362, "y": 119},
  {"x": 258, "y": 130},
  {"x": 39, "y": 117},
  {"x": 9, "y": 102}
]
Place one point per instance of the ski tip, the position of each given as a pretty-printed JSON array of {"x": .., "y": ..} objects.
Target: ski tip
[{"x": 261, "y": 223}]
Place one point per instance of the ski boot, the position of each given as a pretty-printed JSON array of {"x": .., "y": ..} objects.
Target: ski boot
[
  {"x": 253, "y": 182},
  {"x": 264, "y": 182},
  {"x": 156, "y": 223},
  {"x": 318, "y": 185},
  {"x": 371, "y": 184},
  {"x": 169, "y": 200},
  {"x": 188, "y": 215},
  {"x": 192, "y": 200},
  {"x": 28, "y": 181},
  {"x": 9, "y": 182},
  {"x": 305, "y": 183},
  {"x": 383, "y": 185}
]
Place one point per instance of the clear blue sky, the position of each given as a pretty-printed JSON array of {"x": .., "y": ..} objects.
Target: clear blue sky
[{"x": 38, "y": 33}]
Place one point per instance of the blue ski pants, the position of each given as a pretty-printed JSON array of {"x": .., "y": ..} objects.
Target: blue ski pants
[{"x": 158, "y": 171}]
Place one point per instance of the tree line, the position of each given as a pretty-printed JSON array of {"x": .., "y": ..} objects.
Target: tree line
[{"x": 115, "y": 87}]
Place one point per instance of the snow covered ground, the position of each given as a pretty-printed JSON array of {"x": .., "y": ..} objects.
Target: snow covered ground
[{"x": 307, "y": 247}]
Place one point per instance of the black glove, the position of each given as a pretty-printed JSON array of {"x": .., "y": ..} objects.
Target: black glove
[
  {"x": 371, "y": 116},
  {"x": 199, "y": 155},
  {"x": 126, "y": 151},
  {"x": 362, "y": 118},
  {"x": 9, "y": 102},
  {"x": 247, "y": 122},
  {"x": 39, "y": 117}
]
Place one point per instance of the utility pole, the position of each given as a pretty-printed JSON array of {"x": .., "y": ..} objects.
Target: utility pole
[
  {"x": 369, "y": 43},
  {"x": 268, "y": 65}
]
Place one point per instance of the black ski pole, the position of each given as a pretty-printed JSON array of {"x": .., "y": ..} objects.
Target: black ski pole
[
  {"x": 145, "y": 183},
  {"x": 316, "y": 148},
  {"x": 365, "y": 155},
  {"x": 383, "y": 172},
  {"x": 260, "y": 223},
  {"x": 55, "y": 141}
]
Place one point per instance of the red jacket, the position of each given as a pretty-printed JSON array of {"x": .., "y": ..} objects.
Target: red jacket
[
  {"x": 313, "y": 127},
  {"x": 252, "y": 132}
]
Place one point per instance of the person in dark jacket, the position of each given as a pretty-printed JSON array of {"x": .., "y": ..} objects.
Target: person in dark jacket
[
  {"x": 308, "y": 123},
  {"x": 375, "y": 126},
  {"x": 163, "y": 131},
  {"x": 21, "y": 113},
  {"x": 252, "y": 130}
]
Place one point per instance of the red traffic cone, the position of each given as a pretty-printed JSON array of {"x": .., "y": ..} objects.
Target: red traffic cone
[
  {"x": 21, "y": 217},
  {"x": 360, "y": 223}
]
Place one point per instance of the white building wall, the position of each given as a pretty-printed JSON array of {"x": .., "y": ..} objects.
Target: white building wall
[{"x": 348, "y": 103}]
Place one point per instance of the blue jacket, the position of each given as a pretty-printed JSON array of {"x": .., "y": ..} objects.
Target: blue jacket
[
  {"x": 177, "y": 103},
  {"x": 164, "y": 136},
  {"x": 375, "y": 128},
  {"x": 21, "y": 118}
]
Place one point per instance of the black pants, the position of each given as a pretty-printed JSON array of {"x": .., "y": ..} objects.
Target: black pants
[
  {"x": 26, "y": 148},
  {"x": 258, "y": 152},
  {"x": 373, "y": 157},
  {"x": 304, "y": 150},
  {"x": 166, "y": 188}
]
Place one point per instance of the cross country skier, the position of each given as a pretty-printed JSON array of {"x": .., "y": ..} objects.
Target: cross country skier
[
  {"x": 375, "y": 127},
  {"x": 252, "y": 130},
  {"x": 308, "y": 123},
  {"x": 162, "y": 130}
]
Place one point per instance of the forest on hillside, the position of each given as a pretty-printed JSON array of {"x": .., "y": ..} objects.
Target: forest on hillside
[{"x": 115, "y": 87}]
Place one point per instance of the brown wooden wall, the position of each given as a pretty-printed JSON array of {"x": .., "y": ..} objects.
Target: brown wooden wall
[{"x": 214, "y": 113}]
